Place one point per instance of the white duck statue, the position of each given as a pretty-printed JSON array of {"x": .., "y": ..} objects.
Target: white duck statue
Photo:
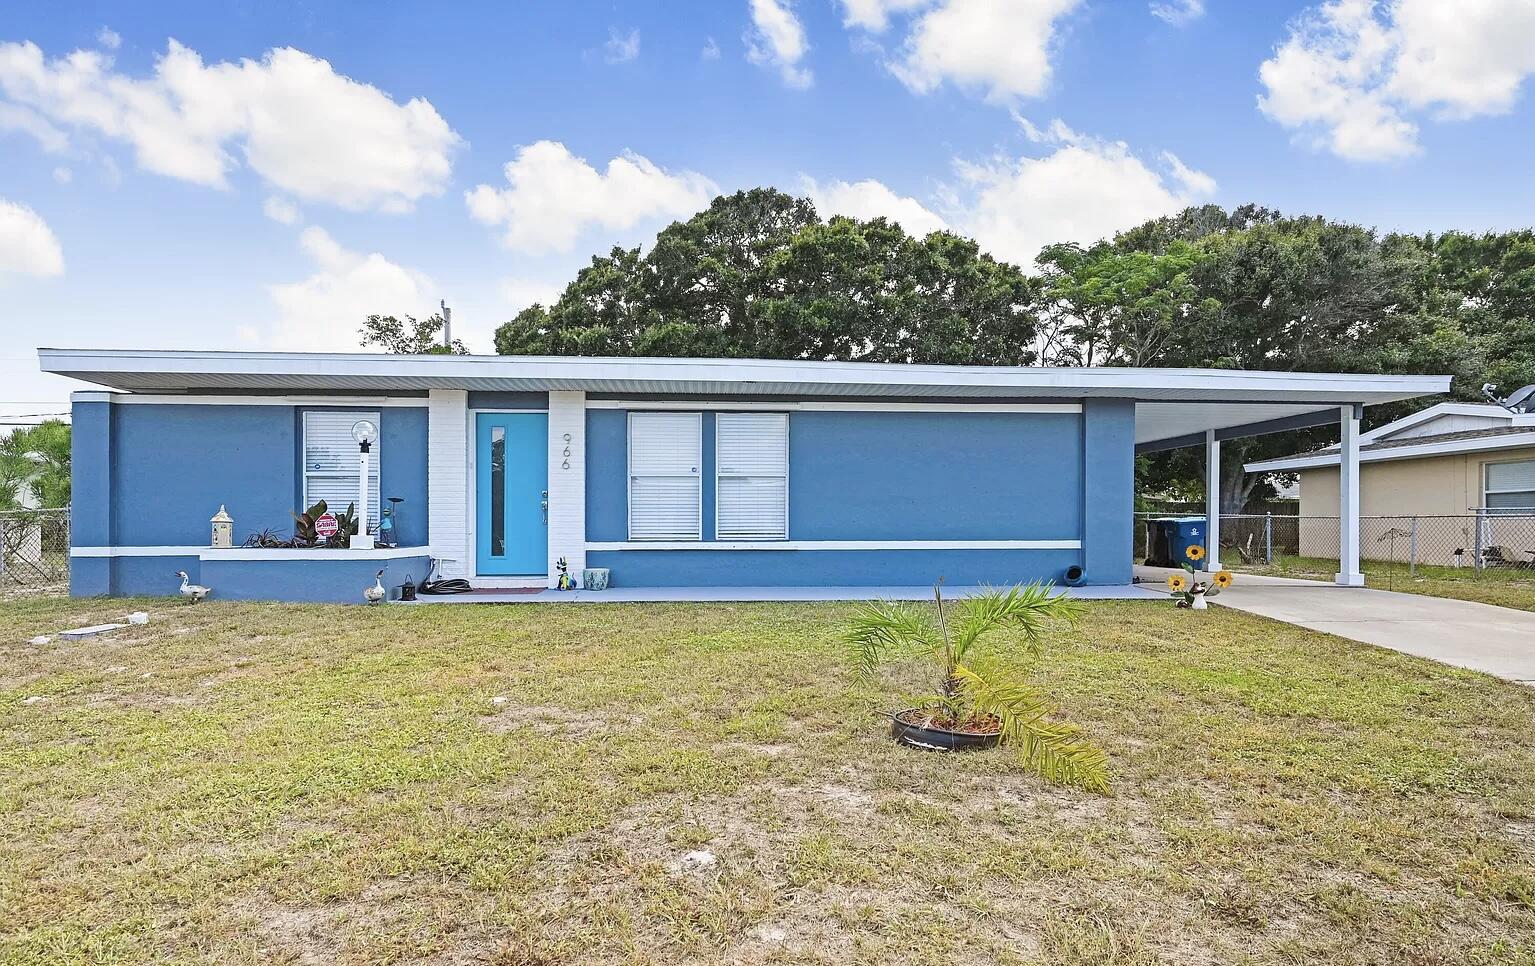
[
  {"x": 376, "y": 593},
  {"x": 195, "y": 592}
]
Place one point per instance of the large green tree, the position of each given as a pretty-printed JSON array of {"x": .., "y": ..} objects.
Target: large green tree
[
  {"x": 36, "y": 458},
  {"x": 409, "y": 336},
  {"x": 760, "y": 274},
  {"x": 1267, "y": 291}
]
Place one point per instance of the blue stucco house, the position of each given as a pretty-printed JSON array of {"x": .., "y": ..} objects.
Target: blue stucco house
[{"x": 666, "y": 472}]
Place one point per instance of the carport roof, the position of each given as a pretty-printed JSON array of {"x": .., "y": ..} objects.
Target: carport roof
[{"x": 1172, "y": 405}]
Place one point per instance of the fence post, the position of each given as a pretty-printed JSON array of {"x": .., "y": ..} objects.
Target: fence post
[
  {"x": 1412, "y": 550},
  {"x": 1477, "y": 560},
  {"x": 1268, "y": 538},
  {"x": 2, "y": 546}
]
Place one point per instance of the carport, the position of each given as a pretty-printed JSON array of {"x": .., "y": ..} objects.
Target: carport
[{"x": 1294, "y": 401}]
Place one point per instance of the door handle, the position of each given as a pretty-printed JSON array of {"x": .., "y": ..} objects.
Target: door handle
[{"x": 543, "y": 506}]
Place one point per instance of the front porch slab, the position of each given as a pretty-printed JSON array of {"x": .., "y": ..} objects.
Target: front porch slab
[{"x": 630, "y": 595}]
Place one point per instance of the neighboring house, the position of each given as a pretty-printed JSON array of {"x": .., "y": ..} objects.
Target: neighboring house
[
  {"x": 1452, "y": 459},
  {"x": 666, "y": 472}
]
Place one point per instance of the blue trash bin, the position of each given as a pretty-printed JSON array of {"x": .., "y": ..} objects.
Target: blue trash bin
[{"x": 1171, "y": 539}]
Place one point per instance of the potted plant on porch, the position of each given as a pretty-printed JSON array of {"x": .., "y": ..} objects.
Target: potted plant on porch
[{"x": 982, "y": 696}]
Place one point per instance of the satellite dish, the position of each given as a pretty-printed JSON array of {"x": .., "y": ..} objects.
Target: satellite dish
[{"x": 1521, "y": 400}]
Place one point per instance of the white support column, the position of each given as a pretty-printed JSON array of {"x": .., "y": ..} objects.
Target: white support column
[
  {"x": 567, "y": 482},
  {"x": 447, "y": 480},
  {"x": 1212, "y": 561},
  {"x": 1348, "y": 499}
]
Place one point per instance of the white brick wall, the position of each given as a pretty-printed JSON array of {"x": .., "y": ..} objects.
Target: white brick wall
[
  {"x": 567, "y": 482},
  {"x": 447, "y": 479}
]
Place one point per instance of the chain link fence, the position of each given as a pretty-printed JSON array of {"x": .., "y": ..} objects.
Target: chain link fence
[
  {"x": 1483, "y": 542},
  {"x": 34, "y": 548}
]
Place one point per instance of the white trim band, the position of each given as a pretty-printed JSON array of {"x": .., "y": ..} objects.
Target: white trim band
[
  {"x": 837, "y": 545},
  {"x": 172, "y": 399},
  {"x": 1482, "y": 444},
  {"x": 254, "y": 553},
  {"x": 837, "y": 407}
]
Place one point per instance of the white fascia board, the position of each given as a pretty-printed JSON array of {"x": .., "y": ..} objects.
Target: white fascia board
[
  {"x": 1433, "y": 412},
  {"x": 1290, "y": 464},
  {"x": 837, "y": 407},
  {"x": 836, "y": 545},
  {"x": 748, "y": 376},
  {"x": 255, "y": 553}
]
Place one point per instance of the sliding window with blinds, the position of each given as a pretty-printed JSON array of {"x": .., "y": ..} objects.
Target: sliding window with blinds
[
  {"x": 330, "y": 462},
  {"x": 665, "y": 456},
  {"x": 752, "y": 477}
]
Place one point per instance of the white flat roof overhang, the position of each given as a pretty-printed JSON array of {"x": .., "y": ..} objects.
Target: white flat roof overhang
[{"x": 1171, "y": 404}]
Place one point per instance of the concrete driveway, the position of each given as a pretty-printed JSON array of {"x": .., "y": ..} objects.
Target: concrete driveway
[{"x": 1497, "y": 640}]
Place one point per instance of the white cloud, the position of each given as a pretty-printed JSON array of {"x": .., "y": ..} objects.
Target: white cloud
[
  {"x": 1084, "y": 190},
  {"x": 109, "y": 38},
  {"x": 711, "y": 50},
  {"x": 63, "y": 175},
  {"x": 1178, "y": 12},
  {"x": 281, "y": 210},
  {"x": 14, "y": 117},
  {"x": 1194, "y": 183},
  {"x": 620, "y": 49},
  {"x": 869, "y": 199},
  {"x": 301, "y": 126},
  {"x": 875, "y": 14},
  {"x": 1001, "y": 47},
  {"x": 324, "y": 311},
  {"x": 777, "y": 39},
  {"x": 1352, "y": 74},
  {"x": 519, "y": 293},
  {"x": 27, "y": 245},
  {"x": 553, "y": 196}
]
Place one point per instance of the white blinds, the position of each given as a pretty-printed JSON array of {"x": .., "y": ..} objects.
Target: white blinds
[
  {"x": 1510, "y": 486},
  {"x": 330, "y": 462},
  {"x": 1502, "y": 477},
  {"x": 665, "y": 452},
  {"x": 752, "y": 454}
]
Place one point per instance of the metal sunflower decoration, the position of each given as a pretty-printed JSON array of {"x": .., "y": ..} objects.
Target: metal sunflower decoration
[{"x": 1189, "y": 592}]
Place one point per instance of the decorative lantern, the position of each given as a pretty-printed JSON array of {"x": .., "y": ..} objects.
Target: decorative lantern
[
  {"x": 365, "y": 433},
  {"x": 223, "y": 529}
]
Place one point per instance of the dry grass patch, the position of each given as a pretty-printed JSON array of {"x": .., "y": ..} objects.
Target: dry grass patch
[{"x": 273, "y": 783}]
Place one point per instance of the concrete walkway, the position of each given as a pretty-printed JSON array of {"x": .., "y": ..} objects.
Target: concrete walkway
[
  {"x": 1497, "y": 640},
  {"x": 629, "y": 595}
]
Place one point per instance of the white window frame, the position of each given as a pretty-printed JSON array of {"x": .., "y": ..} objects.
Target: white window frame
[
  {"x": 718, "y": 476},
  {"x": 696, "y": 475},
  {"x": 376, "y": 451},
  {"x": 1487, "y": 490}
]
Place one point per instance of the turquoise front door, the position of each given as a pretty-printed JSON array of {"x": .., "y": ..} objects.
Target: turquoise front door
[{"x": 512, "y": 493}]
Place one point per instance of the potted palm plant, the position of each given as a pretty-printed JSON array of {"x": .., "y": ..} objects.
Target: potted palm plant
[{"x": 982, "y": 696}]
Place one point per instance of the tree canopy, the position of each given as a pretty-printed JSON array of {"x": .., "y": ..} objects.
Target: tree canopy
[
  {"x": 36, "y": 458},
  {"x": 760, "y": 274},
  {"x": 410, "y": 336}
]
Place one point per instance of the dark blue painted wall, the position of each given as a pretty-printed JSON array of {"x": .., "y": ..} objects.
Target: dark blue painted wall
[
  {"x": 607, "y": 475},
  {"x": 1108, "y": 494},
  {"x": 332, "y": 581},
  {"x": 845, "y": 568},
  {"x": 153, "y": 475},
  {"x": 172, "y": 466},
  {"x": 90, "y": 514},
  {"x": 888, "y": 476},
  {"x": 934, "y": 476}
]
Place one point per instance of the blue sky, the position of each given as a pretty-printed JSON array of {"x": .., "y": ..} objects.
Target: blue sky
[{"x": 263, "y": 175}]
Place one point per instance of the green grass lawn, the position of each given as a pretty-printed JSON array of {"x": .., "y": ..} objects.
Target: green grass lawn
[
  {"x": 1504, "y": 586},
  {"x": 243, "y": 783}
]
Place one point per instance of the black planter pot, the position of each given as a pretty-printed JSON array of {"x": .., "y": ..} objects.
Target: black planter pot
[{"x": 938, "y": 739}]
